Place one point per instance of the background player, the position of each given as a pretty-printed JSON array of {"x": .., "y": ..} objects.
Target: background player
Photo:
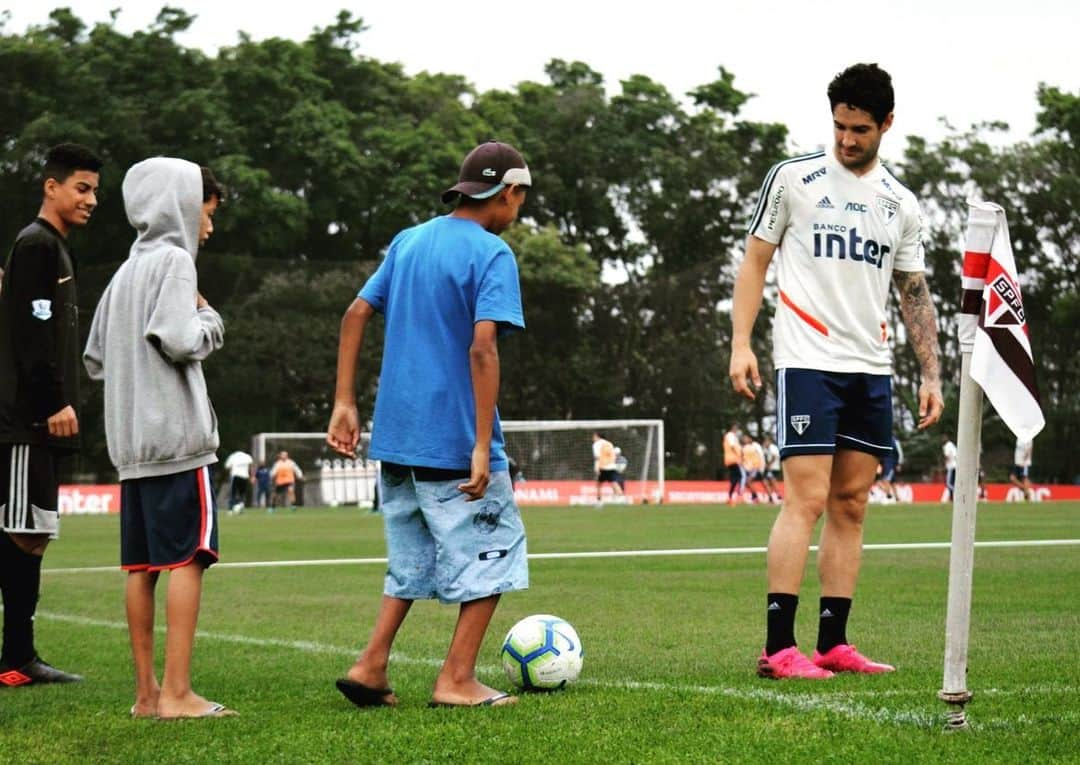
[{"x": 841, "y": 226}]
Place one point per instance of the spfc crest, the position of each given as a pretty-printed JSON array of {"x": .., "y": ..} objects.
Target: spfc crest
[
  {"x": 800, "y": 422},
  {"x": 888, "y": 208}
]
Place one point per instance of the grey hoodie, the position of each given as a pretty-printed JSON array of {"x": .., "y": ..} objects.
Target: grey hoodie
[{"x": 147, "y": 338}]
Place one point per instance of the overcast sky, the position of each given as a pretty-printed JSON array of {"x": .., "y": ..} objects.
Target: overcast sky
[{"x": 968, "y": 61}]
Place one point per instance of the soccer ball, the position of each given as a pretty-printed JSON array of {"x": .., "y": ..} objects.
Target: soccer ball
[{"x": 541, "y": 653}]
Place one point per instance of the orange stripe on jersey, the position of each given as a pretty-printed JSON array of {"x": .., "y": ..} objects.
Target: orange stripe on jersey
[{"x": 804, "y": 315}]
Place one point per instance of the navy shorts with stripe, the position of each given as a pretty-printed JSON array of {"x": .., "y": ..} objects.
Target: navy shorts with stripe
[
  {"x": 820, "y": 412},
  {"x": 168, "y": 521}
]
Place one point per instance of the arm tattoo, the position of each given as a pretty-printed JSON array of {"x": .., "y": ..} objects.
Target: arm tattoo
[{"x": 917, "y": 308}]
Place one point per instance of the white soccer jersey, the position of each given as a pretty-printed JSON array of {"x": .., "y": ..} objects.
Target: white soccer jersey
[
  {"x": 772, "y": 457},
  {"x": 840, "y": 237},
  {"x": 1022, "y": 453},
  {"x": 949, "y": 450}
]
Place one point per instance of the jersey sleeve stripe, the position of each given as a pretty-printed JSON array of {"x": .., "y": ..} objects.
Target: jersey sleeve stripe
[
  {"x": 803, "y": 314},
  {"x": 766, "y": 188}
]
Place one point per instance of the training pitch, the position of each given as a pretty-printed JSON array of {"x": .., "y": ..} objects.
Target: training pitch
[{"x": 671, "y": 616}]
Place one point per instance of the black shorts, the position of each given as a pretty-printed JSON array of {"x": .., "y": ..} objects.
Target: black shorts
[
  {"x": 734, "y": 473},
  {"x": 607, "y": 476},
  {"x": 168, "y": 521},
  {"x": 1019, "y": 472},
  {"x": 28, "y": 490}
]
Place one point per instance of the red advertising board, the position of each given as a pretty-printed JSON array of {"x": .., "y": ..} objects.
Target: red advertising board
[{"x": 87, "y": 499}]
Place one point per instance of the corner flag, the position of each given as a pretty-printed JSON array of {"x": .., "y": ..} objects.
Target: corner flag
[{"x": 1001, "y": 359}]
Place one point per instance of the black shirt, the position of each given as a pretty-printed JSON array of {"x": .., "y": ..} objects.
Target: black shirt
[{"x": 39, "y": 337}]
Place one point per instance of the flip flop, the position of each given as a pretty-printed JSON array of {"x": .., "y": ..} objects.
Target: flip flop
[
  {"x": 214, "y": 710},
  {"x": 363, "y": 695},
  {"x": 141, "y": 717},
  {"x": 490, "y": 701}
]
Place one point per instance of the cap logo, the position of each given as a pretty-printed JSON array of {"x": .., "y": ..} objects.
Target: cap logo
[{"x": 487, "y": 172}]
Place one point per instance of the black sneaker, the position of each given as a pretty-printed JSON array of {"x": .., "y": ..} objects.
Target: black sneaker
[{"x": 35, "y": 672}]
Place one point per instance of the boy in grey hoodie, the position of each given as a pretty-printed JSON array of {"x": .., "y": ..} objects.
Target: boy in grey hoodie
[{"x": 150, "y": 333}]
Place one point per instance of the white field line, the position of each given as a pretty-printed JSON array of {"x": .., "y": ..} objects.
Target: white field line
[
  {"x": 599, "y": 554},
  {"x": 842, "y": 703}
]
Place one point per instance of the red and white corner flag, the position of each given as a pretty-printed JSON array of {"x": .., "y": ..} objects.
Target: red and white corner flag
[{"x": 992, "y": 323}]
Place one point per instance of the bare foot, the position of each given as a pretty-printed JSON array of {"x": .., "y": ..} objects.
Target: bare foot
[
  {"x": 190, "y": 704},
  {"x": 468, "y": 694}
]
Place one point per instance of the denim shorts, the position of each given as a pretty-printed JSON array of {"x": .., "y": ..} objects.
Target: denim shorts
[{"x": 441, "y": 546}]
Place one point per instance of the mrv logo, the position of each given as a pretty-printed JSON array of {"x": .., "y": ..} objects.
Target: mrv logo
[
  {"x": 840, "y": 242},
  {"x": 808, "y": 179}
]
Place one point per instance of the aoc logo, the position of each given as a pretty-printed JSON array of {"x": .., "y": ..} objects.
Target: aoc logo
[
  {"x": 800, "y": 422},
  {"x": 858, "y": 207}
]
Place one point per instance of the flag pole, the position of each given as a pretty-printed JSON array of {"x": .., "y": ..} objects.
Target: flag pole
[{"x": 954, "y": 690}]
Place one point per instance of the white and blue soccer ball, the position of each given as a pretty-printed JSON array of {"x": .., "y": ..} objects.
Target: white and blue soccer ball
[{"x": 542, "y": 653}]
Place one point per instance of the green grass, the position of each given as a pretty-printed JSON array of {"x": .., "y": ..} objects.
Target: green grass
[{"x": 670, "y": 645}]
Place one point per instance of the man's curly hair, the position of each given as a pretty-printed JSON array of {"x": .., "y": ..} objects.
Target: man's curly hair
[{"x": 863, "y": 86}]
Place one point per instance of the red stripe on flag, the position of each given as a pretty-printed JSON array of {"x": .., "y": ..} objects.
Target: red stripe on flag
[
  {"x": 804, "y": 315},
  {"x": 976, "y": 263}
]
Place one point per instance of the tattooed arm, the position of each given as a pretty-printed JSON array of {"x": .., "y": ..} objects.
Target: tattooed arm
[{"x": 917, "y": 308}]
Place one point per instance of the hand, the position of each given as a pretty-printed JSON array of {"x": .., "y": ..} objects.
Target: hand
[
  {"x": 343, "y": 433},
  {"x": 744, "y": 372},
  {"x": 64, "y": 423},
  {"x": 478, "y": 481},
  {"x": 931, "y": 404},
  {"x": 200, "y": 301}
]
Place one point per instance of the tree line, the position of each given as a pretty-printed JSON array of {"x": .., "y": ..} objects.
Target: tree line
[{"x": 627, "y": 249}]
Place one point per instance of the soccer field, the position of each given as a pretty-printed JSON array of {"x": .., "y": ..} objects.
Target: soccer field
[{"x": 670, "y": 642}]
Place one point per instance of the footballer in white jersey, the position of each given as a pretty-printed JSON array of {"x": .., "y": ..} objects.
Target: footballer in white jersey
[
  {"x": 842, "y": 230},
  {"x": 840, "y": 238}
]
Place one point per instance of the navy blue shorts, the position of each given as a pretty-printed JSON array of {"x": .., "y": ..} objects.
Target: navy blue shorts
[
  {"x": 607, "y": 476},
  {"x": 168, "y": 521},
  {"x": 820, "y": 412}
]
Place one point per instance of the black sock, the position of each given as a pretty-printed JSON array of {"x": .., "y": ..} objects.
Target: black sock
[
  {"x": 22, "y": 583},
  {"x": 832, "y": 628},
  {"x": 780, "y": 622}
]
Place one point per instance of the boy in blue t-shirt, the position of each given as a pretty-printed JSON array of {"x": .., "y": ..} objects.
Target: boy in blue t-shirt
[{"x": 447, "y": 288}]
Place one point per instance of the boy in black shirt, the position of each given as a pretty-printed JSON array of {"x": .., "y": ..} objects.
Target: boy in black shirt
[{"x": 39, "y": 358}]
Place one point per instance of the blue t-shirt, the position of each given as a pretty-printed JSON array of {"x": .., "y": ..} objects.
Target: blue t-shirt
[{"x": 438, "y": 279}]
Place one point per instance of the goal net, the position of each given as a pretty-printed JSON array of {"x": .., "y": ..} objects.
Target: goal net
[
  {"x": 329, "y": 479},
  {"x": 561, "y": 450},
  {"x": 543, "y": 450}
]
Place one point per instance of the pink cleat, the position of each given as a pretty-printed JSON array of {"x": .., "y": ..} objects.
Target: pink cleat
[
  {"x": 788, "y": 663},
  {"x": 844, "y": 658}
]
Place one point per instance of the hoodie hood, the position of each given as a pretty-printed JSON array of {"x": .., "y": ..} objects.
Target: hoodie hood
[{"x": 163, "y": 200}]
